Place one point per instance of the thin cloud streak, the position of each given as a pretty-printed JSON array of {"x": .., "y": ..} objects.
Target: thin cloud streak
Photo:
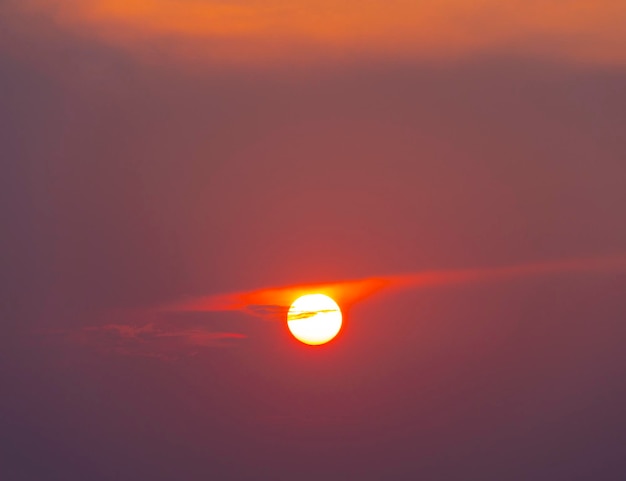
[
  {"x": 158, "y": 340},
  {"x": 273, "y": 303},
  {"x": 297, "y": 315}
]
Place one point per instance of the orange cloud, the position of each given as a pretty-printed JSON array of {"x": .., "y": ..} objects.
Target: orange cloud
[
  {"x": 262, "y": 30},
  {"x": 273, "y": 303},
  {"x": 173, "y": 339}
]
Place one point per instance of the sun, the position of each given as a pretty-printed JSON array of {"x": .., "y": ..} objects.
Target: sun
[{"x": 314, "y": 319}]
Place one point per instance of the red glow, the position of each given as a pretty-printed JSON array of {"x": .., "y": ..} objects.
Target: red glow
[{"x": 274, "y": 302}]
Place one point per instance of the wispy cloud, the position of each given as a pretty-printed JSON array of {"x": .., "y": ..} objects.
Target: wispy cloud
[
  {"x": 156, "y": 334},
  {"x": 269, "y": 311},
  {"x": 273, "y": 303},
  {"x": 296, "y": 315},
  {"x": 166, "y": 340}
]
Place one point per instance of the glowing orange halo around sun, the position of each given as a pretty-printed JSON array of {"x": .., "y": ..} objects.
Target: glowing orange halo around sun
[{"x": 314, "y": 319}]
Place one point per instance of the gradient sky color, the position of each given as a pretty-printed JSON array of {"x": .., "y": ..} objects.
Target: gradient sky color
[
  {"x": 258, "y": 32},
  {"x": 174, "y": 174}
]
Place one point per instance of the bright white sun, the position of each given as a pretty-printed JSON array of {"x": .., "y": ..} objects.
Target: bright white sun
[{"x": 314, "y": 319}]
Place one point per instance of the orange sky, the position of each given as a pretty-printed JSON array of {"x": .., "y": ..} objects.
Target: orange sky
[{"x": 255, "y": 30}]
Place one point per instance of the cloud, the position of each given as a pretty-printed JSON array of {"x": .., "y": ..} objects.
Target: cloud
[
  {"x": 160, "y": 339},
  {"x": 164, "y": 337},
  {"x": 295, "y": 315},
  {"x": 268, "y": 311},
  {"x": 275, "y": 312},
  {"x": 273, "y": 303},
  {"x": 258, "y": 31}
]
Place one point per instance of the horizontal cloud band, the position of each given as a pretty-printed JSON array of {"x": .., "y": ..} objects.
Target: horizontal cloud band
[{"x": 273, "y": 303}]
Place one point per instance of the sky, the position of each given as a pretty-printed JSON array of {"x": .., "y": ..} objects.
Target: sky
[{"x": 174, "y": 174}]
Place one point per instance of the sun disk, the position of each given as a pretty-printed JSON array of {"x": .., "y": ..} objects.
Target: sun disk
[{"x": 314, "y": 319}]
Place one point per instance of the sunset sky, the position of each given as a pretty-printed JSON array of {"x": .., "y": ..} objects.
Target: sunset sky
[{"x": 175, "y": 173}]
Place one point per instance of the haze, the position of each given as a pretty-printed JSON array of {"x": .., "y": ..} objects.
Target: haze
[{"x": 168, "y": 153}]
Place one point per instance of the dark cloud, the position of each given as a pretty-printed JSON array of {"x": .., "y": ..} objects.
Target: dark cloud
[
  {"x": 160, "y": 340},
  {"x": 295, "y": 315},
  {"x": 275, "y": 312},
  {"x": 271, "y": 312}
]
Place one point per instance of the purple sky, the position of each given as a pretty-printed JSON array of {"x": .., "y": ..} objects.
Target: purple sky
[{"x": 144, "y": 165}]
